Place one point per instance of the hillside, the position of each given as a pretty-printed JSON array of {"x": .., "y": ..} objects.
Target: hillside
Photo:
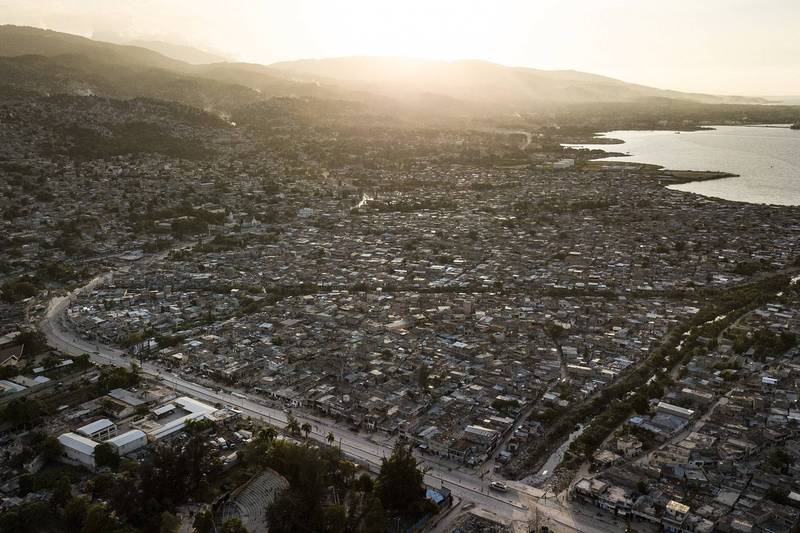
[
  {"x": 22, "y": 40},
  {"x": 187, "y": 54},
  {"x": 47, "y": 62},
  {"x": 483, "y": 81}
]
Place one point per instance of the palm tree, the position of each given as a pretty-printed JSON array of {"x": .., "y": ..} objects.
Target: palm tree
[
  {"x": 330, "y": 438},
  {"x": 292, "y": 426},
  {"x": 306, "y": 427},
  {"x": 267, "y": 434},
  {"x": 556, "y": 333}
]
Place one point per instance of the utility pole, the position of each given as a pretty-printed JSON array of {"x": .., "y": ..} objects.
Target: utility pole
[{"x": 533, "y": 524}]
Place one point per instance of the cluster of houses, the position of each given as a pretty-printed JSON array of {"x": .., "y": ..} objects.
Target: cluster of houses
[
  {"x": 407, "y": 284},
  {"x": 422, "y": 319},
  {"x": 720, "y": 451},
  {"x": 145, "y": 426}
]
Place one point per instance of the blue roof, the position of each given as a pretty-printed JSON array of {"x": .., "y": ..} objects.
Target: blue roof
[{"x": 435, "y": 496}]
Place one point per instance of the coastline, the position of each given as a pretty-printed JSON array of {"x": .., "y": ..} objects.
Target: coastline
[
  {"x": 672, "y": 177},
  {"x": 680, "y": 177},
  {"x": 601, "y": 141},
  {"x": 594, "y": 155}
]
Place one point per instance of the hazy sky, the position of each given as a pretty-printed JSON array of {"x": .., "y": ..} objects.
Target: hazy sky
[{"x": 747, "y": 47}]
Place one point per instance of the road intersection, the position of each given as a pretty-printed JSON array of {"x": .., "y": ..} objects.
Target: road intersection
[{"x": 517, "y": 505}]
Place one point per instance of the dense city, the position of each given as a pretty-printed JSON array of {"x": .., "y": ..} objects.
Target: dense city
[{"x": 289, "y": 318}]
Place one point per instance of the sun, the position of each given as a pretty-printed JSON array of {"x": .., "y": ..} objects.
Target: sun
[{"x": 432, "y": 29}]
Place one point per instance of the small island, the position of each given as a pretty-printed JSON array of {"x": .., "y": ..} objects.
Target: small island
[{"x": 796, "y": 125}]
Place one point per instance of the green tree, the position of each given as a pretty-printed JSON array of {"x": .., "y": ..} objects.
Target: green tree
[
  {"x": 640, "y": 404},
  {"x": 234, "y": 525},
  {"x": 61, "y": 492},
  {"x": 310, "y": 472},
  {"x": 117, "y": 378},
  {"x": 256, "y": 451},
  {"x": 400, "y": 484},
  {"x": 169, "y": 523},
  {"x": 778, "y": 495},
  {"x": 364, "y": 483},
  {"x": 340, "y": 472},
  {"x": 779, "y": 460},
  {"x": 174, "y": 472},
  {"x": 106, "y": 455},
  {"x": 292, "y": 425},
  {"x": 204, "y": 522},
  {"x": 26, "y": 484},
  {"x": 134, "y": 337},
  {"x": 554, "y": 331},
  {"x": 22, "y": 413},
  {"x": 267, "y": 434},
  {"x": 75, "y": 513},
  {"x": 423, "y": 373},
  {"x": 33, "y": 341},
  {"x": 306, "y": 428},
  {"x": 335, "y": 519},
  {"x": 15, "y": 291},
  {"x": 98, "y": 520},
  {"x": 505, "y": 405},
  {"x": 29, "y": 517},
  {"x": 374, "y": 520},
  {"x": 11, "y": 521}
]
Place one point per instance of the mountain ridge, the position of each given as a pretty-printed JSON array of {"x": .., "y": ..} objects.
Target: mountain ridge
[
  {"x": 78, "y": 65},
  {"x": 346, "y": 68}
]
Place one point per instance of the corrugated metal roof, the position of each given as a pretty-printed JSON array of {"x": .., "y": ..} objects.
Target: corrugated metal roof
[
  {"x": 166, "y": 408},
  {"x": 126, "y": 397},
  {"x": 193, "y": 406},
  {"x": 127, "y": 438},
  {"x": 78, "y": 443},
  {"x": 93, "y": 427}
]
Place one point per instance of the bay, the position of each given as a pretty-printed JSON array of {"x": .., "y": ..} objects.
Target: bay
[{"x": 765, "y": 158}]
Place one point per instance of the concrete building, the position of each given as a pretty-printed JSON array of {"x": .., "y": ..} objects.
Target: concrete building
[
  {"x": 102, "y": 429},
  {"x": 481, "y": 435},
  {"x": 77, "y": 449},
  {"x": 562, "y": 164},
  {"x": 186, "y": 410},
  {"x": 675, "y": 410},
  {"x": 128, "y": 442}
]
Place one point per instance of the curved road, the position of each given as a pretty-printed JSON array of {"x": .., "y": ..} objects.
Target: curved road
[{"x": 514, "y": 505}]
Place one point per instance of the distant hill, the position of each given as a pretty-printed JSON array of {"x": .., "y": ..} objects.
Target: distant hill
[
  {"x": 40, "y": 61},
  {"x": 49, "y": 62},
  {"x": 472, "y": 80},
  {"x": 784, "y": 100},
  {"x": 23, "y": 40},
  {"x": 187, "y": 54}
]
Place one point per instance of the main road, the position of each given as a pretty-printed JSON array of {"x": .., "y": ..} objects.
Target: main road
[{"x": 516, "y": 505}]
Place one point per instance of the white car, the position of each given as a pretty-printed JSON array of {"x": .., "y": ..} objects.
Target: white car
[{"x": 498, "y": 486}]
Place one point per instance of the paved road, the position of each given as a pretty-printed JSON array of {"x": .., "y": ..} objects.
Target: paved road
[{"x": 515, "y": 505}]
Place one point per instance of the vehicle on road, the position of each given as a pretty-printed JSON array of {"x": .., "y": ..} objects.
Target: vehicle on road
[{"x": 498, "y": 486}]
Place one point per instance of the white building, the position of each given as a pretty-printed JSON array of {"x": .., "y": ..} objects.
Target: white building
[
  {"x": 98, "y": 430},
  {"x": 481, "y": 435},
  {"x": 77, "y": 449},
  {"x": 128, "y": 442},
  {"x": 9, "y": 387},
  {"x": 668, "y": 408},
  {"x": 193, "y": 410},
  {"x": 564, "y": 164}
]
